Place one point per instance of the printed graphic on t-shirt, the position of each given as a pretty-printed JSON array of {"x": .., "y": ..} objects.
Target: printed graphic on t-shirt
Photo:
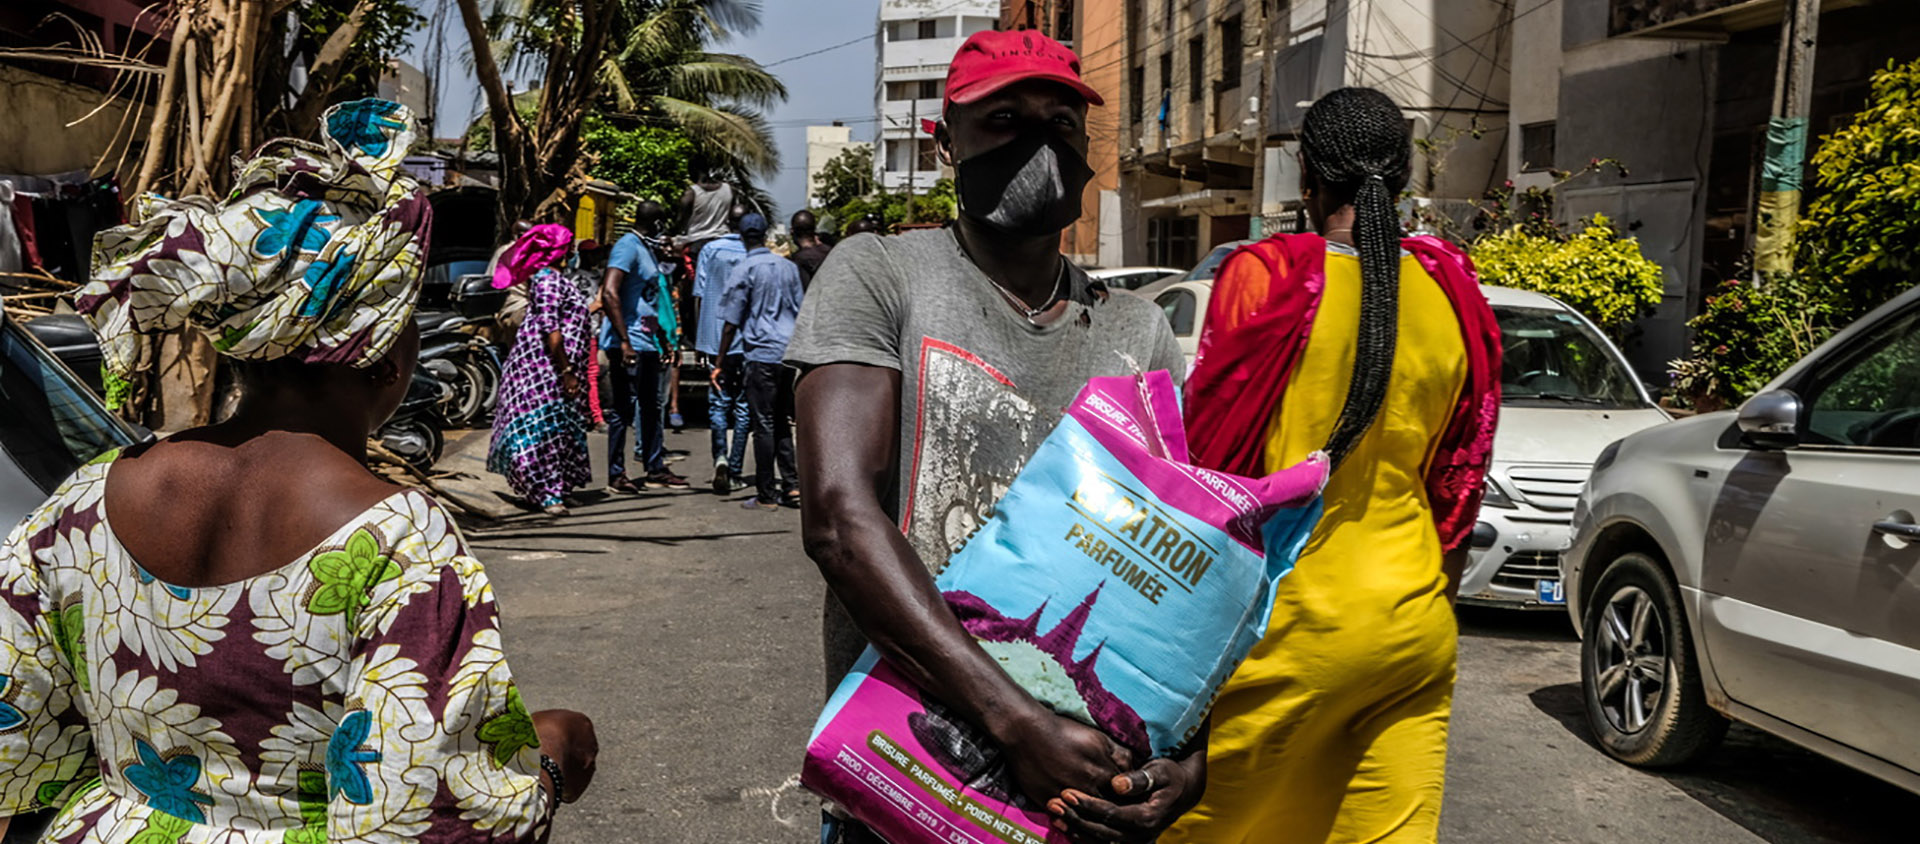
[{"x": 975, "y": 433}]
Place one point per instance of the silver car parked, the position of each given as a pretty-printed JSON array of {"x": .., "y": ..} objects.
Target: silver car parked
[{"x": 1764, "y": 566}]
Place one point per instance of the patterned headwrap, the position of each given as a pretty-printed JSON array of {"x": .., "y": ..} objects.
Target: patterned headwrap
[
  {"x": 540, "y": 247},
  {"x": 316, "y": 255}
]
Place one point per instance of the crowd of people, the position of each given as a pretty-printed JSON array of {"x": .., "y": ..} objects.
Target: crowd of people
[
  {"x": 600, "y": 345},
  {"x": 239, "y": 629}
]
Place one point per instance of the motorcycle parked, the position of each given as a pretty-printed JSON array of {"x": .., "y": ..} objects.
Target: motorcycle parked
[
  {"x": 464, "y": 361},
  {"x": 413, "y": 432}
]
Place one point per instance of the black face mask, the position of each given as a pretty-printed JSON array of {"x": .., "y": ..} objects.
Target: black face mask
[{"x": 1030, "y": 185}]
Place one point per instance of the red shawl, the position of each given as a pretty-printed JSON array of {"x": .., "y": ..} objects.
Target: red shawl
[{"x": 1261, "y": 312}]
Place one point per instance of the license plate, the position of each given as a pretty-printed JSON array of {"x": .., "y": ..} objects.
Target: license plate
[{"x": 1551, "y": 592}]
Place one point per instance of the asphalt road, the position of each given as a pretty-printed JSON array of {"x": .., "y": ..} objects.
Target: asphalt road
[{"x": 688, "y": 629}]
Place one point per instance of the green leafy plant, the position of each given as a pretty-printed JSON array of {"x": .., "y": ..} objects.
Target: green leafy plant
[
  {"x": 845, "y": 177},
  {"x": 648, "y": 161},
  {"x": 937, "y": 205},
  {"x": 1862, "y": 231},
  {"x": 1748, "y": 334},
  {"x": 1595, "y": 270}
]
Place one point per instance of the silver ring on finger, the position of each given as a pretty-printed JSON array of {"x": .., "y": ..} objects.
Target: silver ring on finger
[{"x": 1149, "y": 775}]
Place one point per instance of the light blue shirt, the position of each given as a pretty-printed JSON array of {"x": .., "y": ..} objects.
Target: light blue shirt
[
  {"x": 637, "y": 292},
  {"x": 762, "y": 301},
  {"x": 717, "y": 262}
]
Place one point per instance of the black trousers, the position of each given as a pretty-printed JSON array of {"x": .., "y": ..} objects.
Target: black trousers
[{"x": 770, "y": 398}]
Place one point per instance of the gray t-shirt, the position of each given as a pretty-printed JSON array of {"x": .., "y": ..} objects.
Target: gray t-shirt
[{"x": 980, "y": 387}]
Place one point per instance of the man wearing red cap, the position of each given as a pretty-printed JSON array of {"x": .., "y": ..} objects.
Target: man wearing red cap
[{"x": 933, "y": 365}]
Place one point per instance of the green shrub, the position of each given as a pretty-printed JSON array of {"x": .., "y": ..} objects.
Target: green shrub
[
  {"x": 1861, "y": 234},
  {"x": 1596, "y": 271},
  {"x": 1749, "y": 334}
]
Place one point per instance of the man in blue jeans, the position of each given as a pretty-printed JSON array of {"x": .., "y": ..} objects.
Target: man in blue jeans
[
  {"x": 727, "y": 401},
  {"x": 760, "y": 306},
  {"x": 638, "y": 353}
]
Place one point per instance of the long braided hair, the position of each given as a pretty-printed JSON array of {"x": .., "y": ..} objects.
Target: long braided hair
[{"x": 1355, "y": 145}]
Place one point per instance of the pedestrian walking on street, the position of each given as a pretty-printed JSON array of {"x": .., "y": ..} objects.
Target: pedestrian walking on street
[
  {"x": 641, "y": 341},
  {"x": 760, "y": 305},
  {"x": 809, "y": 250},
  {"x": 727, "y": 412},
  {"x": 540, "y": 423},
  {"x": 933, "y": 364},
  {"x": 1335, "y": 727},
  {"x": 238, "y": 633}
]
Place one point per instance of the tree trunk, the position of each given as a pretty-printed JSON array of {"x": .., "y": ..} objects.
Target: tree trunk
[
  {"x": 510, "y": 139},
  {"x": 305, "y": 116}
]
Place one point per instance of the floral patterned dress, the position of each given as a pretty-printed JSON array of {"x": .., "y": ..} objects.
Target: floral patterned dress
[
  {"x": 540, "y": 436},
  {"x": 358, "y": 693}
]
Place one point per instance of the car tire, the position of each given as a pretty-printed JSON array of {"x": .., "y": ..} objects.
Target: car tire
[{"x": 1639, "y": 679}]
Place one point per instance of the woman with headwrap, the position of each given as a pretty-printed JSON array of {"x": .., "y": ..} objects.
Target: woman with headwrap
[
  {"x": 238, "y": 633},
  {"x": 1335, "y": 728},
  {"x": 540, "y": 422}
]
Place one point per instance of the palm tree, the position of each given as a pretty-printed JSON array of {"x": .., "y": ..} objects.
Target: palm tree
[{"x": 642, "y": 60}]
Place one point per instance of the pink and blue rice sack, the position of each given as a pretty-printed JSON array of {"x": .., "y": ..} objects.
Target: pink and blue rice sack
[{"x": 1116, "y": 583}]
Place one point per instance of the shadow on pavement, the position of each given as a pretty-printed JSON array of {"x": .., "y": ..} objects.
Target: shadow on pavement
[
  {"x": 1777, "y": 790},
  {"x": 1526, "y": 625}
]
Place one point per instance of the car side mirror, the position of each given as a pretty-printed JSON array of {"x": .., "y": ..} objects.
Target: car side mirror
[{"x": 1771, "y": 420}]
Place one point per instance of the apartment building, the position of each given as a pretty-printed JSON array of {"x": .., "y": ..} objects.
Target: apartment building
[
  {"x": 917, "y": 41},
  {"x": 1678, "y": 91},
  {"x": 1216, "y": 90}
]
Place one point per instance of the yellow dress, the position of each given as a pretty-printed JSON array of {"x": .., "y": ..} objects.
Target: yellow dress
[{"x": 1335, "y": 728}]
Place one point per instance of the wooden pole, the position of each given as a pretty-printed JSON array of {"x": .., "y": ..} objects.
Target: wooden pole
[{"x": 1778, "y": 213}]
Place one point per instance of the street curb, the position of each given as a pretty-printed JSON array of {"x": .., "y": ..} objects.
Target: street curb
[{"x": 463, "y": 463}]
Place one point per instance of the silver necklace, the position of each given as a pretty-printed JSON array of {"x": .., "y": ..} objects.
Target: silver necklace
[{"x": 1033, "y": 314}]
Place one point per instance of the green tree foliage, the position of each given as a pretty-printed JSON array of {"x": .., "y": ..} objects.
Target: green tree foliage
[
  {"x": 937, "y": 205},
  {"x": 1861, "y": 234},
  {"x": 1855, "y": 249},
  {"x": 648, "y": 161},
  {"x": 1595, "y": 270},
  {"x": 845, "y": 177}
]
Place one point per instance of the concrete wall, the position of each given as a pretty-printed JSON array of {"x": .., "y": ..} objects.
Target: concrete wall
[{"x": 35, "y": 138}]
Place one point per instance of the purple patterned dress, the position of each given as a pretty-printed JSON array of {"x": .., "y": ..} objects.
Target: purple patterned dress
[{"x": 539, "y": 435}]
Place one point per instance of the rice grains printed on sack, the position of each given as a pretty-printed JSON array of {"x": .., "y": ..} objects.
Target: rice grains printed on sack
[{"x": 1116, "y": 583}]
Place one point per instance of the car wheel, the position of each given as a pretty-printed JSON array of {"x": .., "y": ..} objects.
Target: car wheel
[{"x": 1640, "y": 680}]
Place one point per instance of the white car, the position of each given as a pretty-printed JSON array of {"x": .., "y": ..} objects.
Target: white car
[
  {"x": 1566, "y": 392},
  {"x": 1131, "y": 278}
]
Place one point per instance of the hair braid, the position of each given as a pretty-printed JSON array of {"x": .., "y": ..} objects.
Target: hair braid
[{"x": 1356, "y": 145}]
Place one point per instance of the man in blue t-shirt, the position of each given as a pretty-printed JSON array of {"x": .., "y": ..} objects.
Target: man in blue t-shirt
[
  {"x": 727, "y": 401},
  {"x": 638, "y": 354},
  {"x": 760, "y": 305}
]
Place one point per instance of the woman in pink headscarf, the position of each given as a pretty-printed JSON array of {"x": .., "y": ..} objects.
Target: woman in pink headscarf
[{"x": 540, "y": 423}]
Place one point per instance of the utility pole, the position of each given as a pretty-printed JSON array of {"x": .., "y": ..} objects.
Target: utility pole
[
  {"x": 913, "y": 150},
  {"x": 1778, "y": 213}
]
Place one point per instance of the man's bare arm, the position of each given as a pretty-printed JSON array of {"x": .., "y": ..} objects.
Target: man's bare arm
[{"x": 847, "y": 429}]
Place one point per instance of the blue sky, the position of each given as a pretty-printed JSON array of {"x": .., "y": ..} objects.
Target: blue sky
[{"x": 835, "y": 84}]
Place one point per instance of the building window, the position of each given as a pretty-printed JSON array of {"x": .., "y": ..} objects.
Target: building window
[
  {"x": 1166, "y": 72},
  {"x": 1168, "y": 7},
  {"x": 1230, "y": 52},
  {"x": 929, "y": 162},
  {"x": 923, "y": 89},
  {"x": 1173, "y": 241},
  {"x": 1536, "y": 147},
  {"x": 1063, "y": 22},
  {"x": 1139, "y": 85},
  {"x": 929, "y": 29},
  {"x": 1196, "y": 67}
]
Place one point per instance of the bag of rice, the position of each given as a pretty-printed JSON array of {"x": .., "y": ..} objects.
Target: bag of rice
[{"x": 1115, "y": 582}]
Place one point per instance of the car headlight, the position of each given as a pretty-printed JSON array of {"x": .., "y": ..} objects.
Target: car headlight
[{"x": 1495, "y": 497}]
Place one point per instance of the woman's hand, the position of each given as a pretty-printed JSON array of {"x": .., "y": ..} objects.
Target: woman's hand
[
  {"x": 567, "y": 737},
  {"x": 1050, "y": 755},
  {"x": 569, "y": 384}
]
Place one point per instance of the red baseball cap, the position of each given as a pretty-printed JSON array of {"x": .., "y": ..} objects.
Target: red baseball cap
[{"x": 990, "y": 61}]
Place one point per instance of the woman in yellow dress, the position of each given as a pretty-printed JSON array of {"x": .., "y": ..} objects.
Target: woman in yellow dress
[{"x": 1335, "y": 727}]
